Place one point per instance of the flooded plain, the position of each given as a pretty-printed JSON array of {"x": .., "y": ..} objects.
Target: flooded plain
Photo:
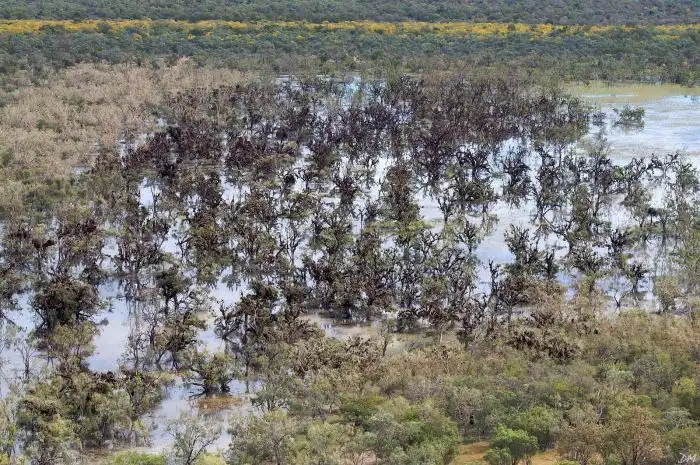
[
  {"x": 671, "y": 124},
  {"x": 671, "y": 120}
]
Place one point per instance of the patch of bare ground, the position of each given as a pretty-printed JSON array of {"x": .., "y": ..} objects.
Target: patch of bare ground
[{"x": 474, "y": 453}]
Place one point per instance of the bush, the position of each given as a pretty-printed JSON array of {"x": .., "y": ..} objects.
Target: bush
[
  {"x": 630, "y": 117},
  {"x": 209, "y": 459},
  {"x": 540, "y": 422},
  {"x": 498, "y": 457},
  {"x": 134, "y": 458},
  {"x": 517, "y": 443}
]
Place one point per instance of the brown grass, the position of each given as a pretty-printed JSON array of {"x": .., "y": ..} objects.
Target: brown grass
[
  {"x": 469, "y": 453},
  {"x": 474, "y": 453},
  {"x": 213, "y": 404},
  {"x": 51, "y": 127}
]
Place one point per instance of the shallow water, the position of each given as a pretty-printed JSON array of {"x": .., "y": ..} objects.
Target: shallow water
[
  {"x": 672, "y": 123},
  {"x": 631, "y": 93}
]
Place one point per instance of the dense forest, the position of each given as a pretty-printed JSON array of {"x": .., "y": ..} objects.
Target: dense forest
[{"x": 524, "y": 11}]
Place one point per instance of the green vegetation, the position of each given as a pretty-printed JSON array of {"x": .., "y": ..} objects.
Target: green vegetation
[
  {"x": 510, "y": 446},
  {"x": 630, "y": 117},
  {"x": 607, "y": 53},
  {"x": 133, "y": 458},
  {"x": 525, "y": 11}
]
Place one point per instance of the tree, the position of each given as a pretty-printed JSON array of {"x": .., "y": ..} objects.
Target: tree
[
  {"x": 69, "y": 347},
  {"x": 211, "y": 372},
  {"x": 516, "y": 443},
  {"x": 421, "y": 433},
  {"x": 629, "y": 117},
  {"x": 8, "y": 428},
  {"x": 667, "y": 291},
  {"x": 64, "y": 300},
  {"x": 335, "y": 444},
  {"x": 581, "y": 442},
  {"x": 633, "y": 435},
  {"x": 686, "y": 392},
  {"x": 192, "y": 435},
  {"x": 682, "y": 442},
  {"x": 48, "y": 435},
  {"x": 245, "y": 327},
  {"x": 498, "y": 457},
  {"x": 541, "y": 422},
  {"x": 261, "y": 439},
  {"x": 134, "y": 458}
]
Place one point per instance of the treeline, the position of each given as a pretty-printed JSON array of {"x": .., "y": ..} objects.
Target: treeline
[
  {"x": 527, "y": 11},
  {"x": 610, "y": 53}
]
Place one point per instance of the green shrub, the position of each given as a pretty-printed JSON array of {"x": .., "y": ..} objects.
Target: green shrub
[
  {"x": 135, "y": 458},
  {"x": 517, "y": 443},
  {"x": 210, "y": 459}
]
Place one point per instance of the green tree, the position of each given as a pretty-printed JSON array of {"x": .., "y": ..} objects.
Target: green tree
[
  {"x": 263, "y": 439},
  {"x": 335, "y": 444},
  {"x": 682, "y": 441},
  {"x": 541, "y": 422},
  {"x": 8, "y": 427},
  {"x": 498, "y": 457},
  {"x": 48, "y": 435},
  {"x": 419, "y": 432},
  {"x": 211, "y": 372},
  {"x": 517, "y": 443},
  {"x": 686, "y": 391}
]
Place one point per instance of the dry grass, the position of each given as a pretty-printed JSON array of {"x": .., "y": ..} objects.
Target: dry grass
[
  {"x": 545, "y": 458},
  {"x": 470, "y": 453},
  {"x": 474, "y": 453},
  {"x": 214, "y": 404},
  {"x": 50, "y": 128}
]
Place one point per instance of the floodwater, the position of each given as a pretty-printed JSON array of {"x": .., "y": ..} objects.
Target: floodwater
[
  {"x": 672, "y": 123},
  {"x": 671, "y": 120}
]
